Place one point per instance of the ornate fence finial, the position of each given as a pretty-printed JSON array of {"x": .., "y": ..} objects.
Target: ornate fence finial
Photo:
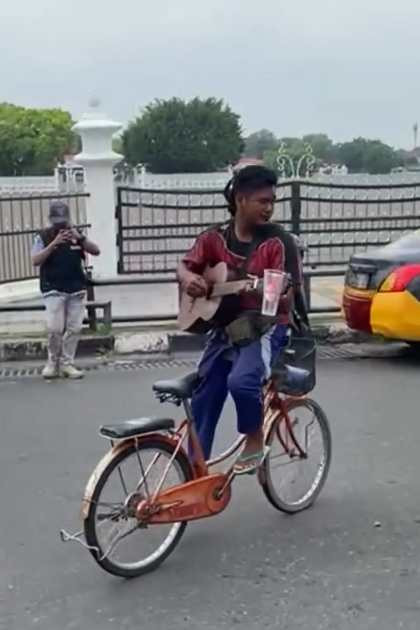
[
  {"x": 295, "y": 168},
  {"x": 284, "y": 161}
]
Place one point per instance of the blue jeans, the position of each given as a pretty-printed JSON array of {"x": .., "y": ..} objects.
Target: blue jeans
[{"x": 240, "y": 371}]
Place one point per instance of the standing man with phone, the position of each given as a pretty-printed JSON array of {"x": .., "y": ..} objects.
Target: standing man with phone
[{"x": 60, "y": 252}]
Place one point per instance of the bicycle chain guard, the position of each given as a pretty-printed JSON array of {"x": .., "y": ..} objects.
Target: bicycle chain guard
[{"x": 189, "y": 501}]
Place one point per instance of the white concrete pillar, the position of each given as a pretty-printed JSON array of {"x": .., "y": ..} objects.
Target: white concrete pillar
[{"x": 98, "y": 160}]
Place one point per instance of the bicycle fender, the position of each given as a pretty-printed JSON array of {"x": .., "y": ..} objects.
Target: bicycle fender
[{"x": 98, "y": 471}]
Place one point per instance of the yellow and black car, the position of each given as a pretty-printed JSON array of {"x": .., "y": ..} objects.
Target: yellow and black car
[{"x": 382, "y": 290}]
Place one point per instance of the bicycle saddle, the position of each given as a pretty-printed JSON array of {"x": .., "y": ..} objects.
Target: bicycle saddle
[{"x": 181, "y": 388}]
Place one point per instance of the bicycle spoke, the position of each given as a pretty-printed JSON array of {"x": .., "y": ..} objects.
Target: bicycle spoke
[
  {"x": 110, "y": 504},
  {"x": 122, "y": 481},
  {"x": 280, "y": 455},
  {"x": 109, "y": 516},
  {"x": 118, "y": 539},
  {"x": 143, "y": 480},
  {"x": 127, "y": 546},
  {"x": 116, "y": 509},
  {"x": 289, "y": 463},
  {"x": 301, "y": 442},
  {"x": 307, "y": 436}
]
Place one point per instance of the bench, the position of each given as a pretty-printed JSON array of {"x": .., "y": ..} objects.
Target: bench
[{"x": 91, "y": 307}]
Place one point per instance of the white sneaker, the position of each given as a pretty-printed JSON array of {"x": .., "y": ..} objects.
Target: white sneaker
[
  {"x": 50, "y": 371},
  {"x": 70, "y": 371}
]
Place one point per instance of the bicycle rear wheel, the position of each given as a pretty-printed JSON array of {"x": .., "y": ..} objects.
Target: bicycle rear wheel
[
  {"x": 119, "y": 543},
  {"x": 294, "y": 472}
]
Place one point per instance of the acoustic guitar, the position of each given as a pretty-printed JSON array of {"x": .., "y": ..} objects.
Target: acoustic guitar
[{"x": 198, "y": 315}]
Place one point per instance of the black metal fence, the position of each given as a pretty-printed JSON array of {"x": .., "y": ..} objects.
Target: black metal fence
[
  {"x": 337, "y": 220},
  {"x": 21, "y": 217},
  {"x": 155, "y": 227}
]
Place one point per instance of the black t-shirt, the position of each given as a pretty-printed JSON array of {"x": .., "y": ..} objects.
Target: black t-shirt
[{"x": 240, "y": 248}]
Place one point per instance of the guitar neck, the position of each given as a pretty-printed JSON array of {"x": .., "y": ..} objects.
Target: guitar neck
[{"x": 228, "y": 288}]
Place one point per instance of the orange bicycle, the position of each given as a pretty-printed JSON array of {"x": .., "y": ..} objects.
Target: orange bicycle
[{"x": 146, "y": 488}]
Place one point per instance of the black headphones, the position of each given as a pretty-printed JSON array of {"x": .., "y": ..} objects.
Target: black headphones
[{"x": 229, "y": 194}]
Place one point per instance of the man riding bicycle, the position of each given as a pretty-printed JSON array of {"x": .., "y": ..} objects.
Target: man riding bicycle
[{"x": 240, "y": 353}]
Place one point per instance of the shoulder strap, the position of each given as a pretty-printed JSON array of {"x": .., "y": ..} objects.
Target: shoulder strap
[
  {"x": 299, "y": 315},
  {"x": 224, "y": 228},
  {"x": 255, "y": 243},
  {"x": 273, "y": 230}
]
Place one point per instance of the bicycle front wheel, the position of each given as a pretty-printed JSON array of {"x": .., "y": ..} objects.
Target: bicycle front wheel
[
  {"x": 294, "y": 472},
  {"x": 118, "y": 542}
]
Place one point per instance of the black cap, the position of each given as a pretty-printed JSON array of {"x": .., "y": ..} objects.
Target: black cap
[{"x": 59, "y": 212}]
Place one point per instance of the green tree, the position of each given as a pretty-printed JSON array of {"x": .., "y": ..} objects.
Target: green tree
[
  {"x": 322, "y": 146},
  {"x": 380, "y": 158},
  {"x": 33, "y": 141},
  {"x": 175, "y": 136},
  {"x": 117, "y": 144},
  {"x": 368, "y": 156},
  {"x": 258, "y": 143},
  {"x": 361, "y": 155},
  {"x": 270, "y": 159},
  {"x": 352, "y": 154}
]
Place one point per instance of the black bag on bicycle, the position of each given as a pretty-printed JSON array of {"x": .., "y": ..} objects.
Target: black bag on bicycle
[{"x": 295, "y": 371}]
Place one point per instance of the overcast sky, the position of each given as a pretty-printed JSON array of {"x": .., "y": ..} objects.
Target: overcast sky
[{"x": 344, "y": 67}]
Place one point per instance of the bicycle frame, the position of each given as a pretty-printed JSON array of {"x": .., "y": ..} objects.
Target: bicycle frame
[{"x": 208, "y": 493}]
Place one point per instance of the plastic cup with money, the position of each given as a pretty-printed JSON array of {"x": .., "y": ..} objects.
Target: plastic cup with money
[{"x": 274, "y": 285}]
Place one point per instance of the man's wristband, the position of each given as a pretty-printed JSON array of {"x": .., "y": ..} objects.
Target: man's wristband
[{"x": 82, "y": 239}]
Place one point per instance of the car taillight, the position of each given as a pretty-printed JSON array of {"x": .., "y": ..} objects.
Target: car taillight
[{"x": 400, "y": 278}]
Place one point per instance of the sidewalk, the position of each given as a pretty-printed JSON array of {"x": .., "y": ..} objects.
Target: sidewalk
[
  {"x": 163, "y": 340},
  {"x": 128, "y": 301},
  {"x": 22, "y": 335}
]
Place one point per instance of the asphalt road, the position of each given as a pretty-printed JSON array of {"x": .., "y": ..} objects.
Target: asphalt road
[{"x": 352, "y": 561}]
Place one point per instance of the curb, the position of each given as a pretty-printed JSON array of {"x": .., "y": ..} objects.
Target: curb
[
  {"x": 152, "y": 343},
  {"x": 333, "y": 334},
  {"x": 349, "y": 351}
]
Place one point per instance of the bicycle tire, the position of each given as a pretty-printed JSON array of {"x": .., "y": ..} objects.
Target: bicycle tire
[
  {"x": 90, "y": 524},
  {"x": 265, "y": 477}
]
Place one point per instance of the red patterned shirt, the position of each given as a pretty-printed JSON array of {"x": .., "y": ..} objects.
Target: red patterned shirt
[{"x": 276, "y": 249}]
